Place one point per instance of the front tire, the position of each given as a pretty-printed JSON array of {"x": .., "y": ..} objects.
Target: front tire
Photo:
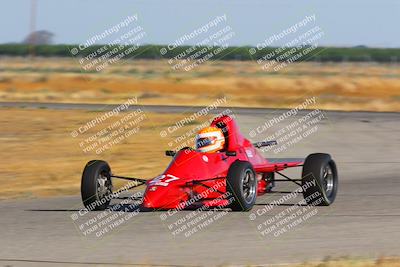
[
  {"x": 320, "y": 178},
  {"x": 242, "y": 183},
  {"x": 96, "y": 185}
]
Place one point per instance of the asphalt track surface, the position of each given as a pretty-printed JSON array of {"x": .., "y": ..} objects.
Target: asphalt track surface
[{"x": 364, "y": 221}]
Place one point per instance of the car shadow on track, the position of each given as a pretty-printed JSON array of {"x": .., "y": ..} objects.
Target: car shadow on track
[{"x": 135, "y": 207}]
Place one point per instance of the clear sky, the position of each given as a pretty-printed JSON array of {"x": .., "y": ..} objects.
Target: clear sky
[{"x": 344, "y": 22}]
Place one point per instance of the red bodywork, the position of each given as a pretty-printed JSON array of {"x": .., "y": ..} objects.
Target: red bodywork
[{"x": 194, "y": 178}]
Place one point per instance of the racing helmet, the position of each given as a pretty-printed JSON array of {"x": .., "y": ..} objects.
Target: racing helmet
[{"x": 209, "y": 140}]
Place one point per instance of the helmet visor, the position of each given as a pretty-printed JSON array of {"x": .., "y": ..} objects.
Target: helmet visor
[{"x": 202, "y": 142}]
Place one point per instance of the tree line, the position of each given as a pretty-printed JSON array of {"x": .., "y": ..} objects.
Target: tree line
[{"x": 319, "y": 54}]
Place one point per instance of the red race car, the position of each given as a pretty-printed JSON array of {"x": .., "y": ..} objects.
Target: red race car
[{"x": 225, "y": 170}]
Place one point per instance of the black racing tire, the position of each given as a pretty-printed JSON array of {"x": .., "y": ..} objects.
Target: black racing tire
[
  {"x": 319, "y": 171},
  {"x": 241, "y": 184},
  {"x": 96, "y": 185}
]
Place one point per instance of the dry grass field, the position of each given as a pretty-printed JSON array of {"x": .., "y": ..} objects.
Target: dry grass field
[
  {"x": 343, "y": 86},
  {"x": 41, "y": 158}
]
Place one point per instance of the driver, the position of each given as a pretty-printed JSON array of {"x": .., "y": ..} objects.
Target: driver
[{"x": 210, "y": 140}]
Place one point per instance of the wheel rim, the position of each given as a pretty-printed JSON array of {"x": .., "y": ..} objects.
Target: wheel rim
[
  {"x": 328, "y": 180},
  {"x": 103, "y": 185},
  {"x": 249, "y": 186}
]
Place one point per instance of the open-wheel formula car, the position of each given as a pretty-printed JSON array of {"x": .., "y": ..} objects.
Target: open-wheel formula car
[{"x": 231, "y": 178}]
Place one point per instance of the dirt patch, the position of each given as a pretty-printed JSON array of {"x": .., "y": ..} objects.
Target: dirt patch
[{"x": 349, "y": 262}]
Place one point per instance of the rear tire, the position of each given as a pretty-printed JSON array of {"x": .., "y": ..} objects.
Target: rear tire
[
  {"x": 242, "y": 183},
  {"x": 320, "y": 169},
  {"x": 96, "y": 185}
]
